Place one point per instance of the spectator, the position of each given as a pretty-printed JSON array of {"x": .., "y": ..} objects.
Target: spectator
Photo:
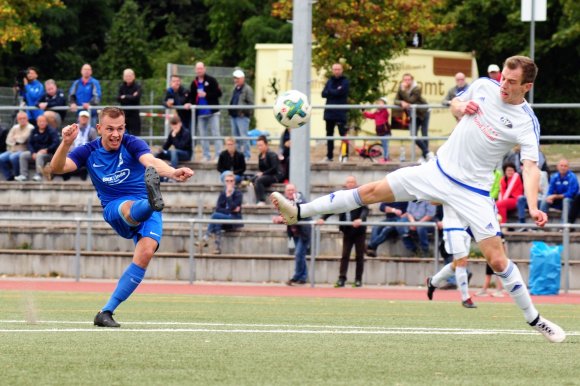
[
  {"x": 300, "y": 234},
  {"x": 3, "y": 135},
  {"x": 418, "y": 211},
  {"x": 42, "y": 144},
  {"x": 460, "y": 86},
  {"x": 382, "y": 127},
  {"x": 574, "y": 209},
  {"x": 511, "y": 188},
  {"x": 243, "y": 95},
  {"x": 85, "y": 92},
  {"x": 16, "y": 143},
  {"x": 54, "y": 97},
  {"x": 336, "y": 93},
  {"x": 354, "y": 234},
  {"x": 205, "y": 91},
  {"x": 130, "y": 95},
  {"x": 228, "y": 207},
  {"x": 270, "y": 171},
  {"x": 409, "y": 93},
  {"x": 284, "y": 153},
  {"x": 231, "y": 160},
  {"x": 562, "y": 190},
  {"x": 513, "y": 156},
  {"x": 175, "y": 96},
  {"x": 493, "y": 72},
  {"x": 87, "y": 133},
  {"x": 177, "y": 146},
  {"x": 393, "y": 211},
  {"x": 523, "y": 202},
  {"x": 32, "y": 93}
]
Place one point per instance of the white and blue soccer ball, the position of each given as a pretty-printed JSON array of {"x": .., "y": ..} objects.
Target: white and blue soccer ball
[{"x": 292, "y": 109}]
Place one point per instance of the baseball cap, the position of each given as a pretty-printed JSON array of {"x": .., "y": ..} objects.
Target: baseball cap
[
  {"x": 493, "y": 68},
  {"x": 84, "y": 113},
  {"x": 239, "y": 74}
]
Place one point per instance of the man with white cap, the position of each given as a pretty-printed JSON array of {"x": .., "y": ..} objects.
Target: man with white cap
[
  {"x": 494, "y": 72},
  {"x": 243, "y": 95}
]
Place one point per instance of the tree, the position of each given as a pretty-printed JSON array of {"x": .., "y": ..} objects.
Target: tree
[
  {"x": 126, "y": 44},
  {"x": 364, "y": 36}
]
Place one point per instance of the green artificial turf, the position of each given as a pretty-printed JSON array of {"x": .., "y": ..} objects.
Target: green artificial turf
[{"x": 203, "y": 340}]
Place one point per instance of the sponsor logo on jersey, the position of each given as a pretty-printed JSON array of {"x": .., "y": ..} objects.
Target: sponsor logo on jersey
[
  {"x": 98, "y": 166},
  {"x": 117, "y": 177},
  {"x": 506, "y": 122}
]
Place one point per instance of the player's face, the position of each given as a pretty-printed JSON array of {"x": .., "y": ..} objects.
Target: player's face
[
  {"x": 111, "y": 131},
  {"x": 511, "y": 89}
]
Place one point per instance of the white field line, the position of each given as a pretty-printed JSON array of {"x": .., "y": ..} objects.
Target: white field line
[{"x": 267, "y": 329}]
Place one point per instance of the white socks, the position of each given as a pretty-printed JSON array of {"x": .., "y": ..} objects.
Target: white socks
[
  {"x": 462, "y": 286},
  {"x": 441, "y": 277},
  {"x": 337, "y": 202},
  {"x": 515, "y": 286}
]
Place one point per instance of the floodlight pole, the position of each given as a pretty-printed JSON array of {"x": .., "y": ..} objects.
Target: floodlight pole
[
  {"x": 301, "y": 65},
  {"x": 532, "y": 45}
]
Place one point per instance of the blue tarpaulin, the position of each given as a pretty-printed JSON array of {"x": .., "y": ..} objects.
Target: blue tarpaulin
[{"x": 545, "y": 267}]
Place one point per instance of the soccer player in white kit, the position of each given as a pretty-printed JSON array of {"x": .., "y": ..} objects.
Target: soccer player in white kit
[{"x": 493, "y": 118}]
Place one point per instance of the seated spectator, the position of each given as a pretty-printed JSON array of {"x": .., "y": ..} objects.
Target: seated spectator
[
  {"x": 511, "y": 188},
  {"x": 16, "y": 143},
  {"x": 418, "y": 211},
  {"x": 87, "y": 133},
  {"x": 130, "y": 95},
  {"x": 270, "y": 171},
  {"x": 561, "y": 191},
  {"x": 574, "y": 209},
  {"x": 42, "y": 144},
  {"x": 33, "y": 91},
  {"x": 3, "y": 135},
  {"x": 231, "y": 160},
  {"x": 228, "y": 207},
  {"x": 177, "y": 146},
  {"x": 284, "y": 153},
  {"x": 177, "y": 96},
  {"x": 393, "y": 211},
  {"x": 54, "y": 97}
]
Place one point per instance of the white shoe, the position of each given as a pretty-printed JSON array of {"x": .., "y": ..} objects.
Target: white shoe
[
  {"x": 421, "y": 160},
  {"x": 550, "y": 330},
  {"x": 20, "y": 178},
  {"x": 37, "y": 178},
  {"x": 287, "y": 210},
  {"x": 261, "y": 203},
  {"x": 326, "y": 159},
  {"x": 430, "y": 156}
]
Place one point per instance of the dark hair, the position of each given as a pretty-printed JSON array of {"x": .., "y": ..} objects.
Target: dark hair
[
  {"x": 263, "y": 139},
  {"x": 529, "y": 68},
  {"x": 113, "y": 112},
  {"x": 33, "y": 69},
  {"x": 508, "y": 165}
]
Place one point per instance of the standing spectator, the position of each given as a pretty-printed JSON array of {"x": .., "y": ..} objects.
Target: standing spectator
[
  {"x": 284, "y": 153},
  {"x": 409, "y": 93},
  {"x": 460, "y": 86},
  {"x": 563, "y": 187},
  {"x": 16, "y": 143},
  {"x": 231, "y": 160},
  {"x": 42, "y": 144},
  {"x": 493, "y": 72},
  {"x": 177, "y": 146},
  {"x": 382, "y": 127},
  {"x": 130, "y": 95},
  {"x": 418, "y": 211},
  {"x": 394, "y": 211},
  {"x": 300, "y": 234},
  {"x": 336, "y": 93},
  {"x": 54, "y": 97},
  {"x": 205, "y": 91},
  {"x": 85, "y": 92},
  {"x": 511, "y": 187},
  {"x": 176, "y": 95},
  {"x": 87, "y": 133},
  {"x": 243, "y": 95},
  {"x": 228, "y": 207},
  {"x": 354, "y": 234},
  {"x": 270, "y": 171},
  {"x": 32, "y": 93}
]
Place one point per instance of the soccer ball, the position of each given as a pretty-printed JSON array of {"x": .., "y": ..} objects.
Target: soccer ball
[{"x": 292, "y": 109}]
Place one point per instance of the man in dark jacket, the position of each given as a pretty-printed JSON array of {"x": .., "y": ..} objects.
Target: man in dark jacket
[
  {"x": 300, "y": 235},
  {"x": 270, "y": 170},
  {"x": 177, "y": 147},
  {"x": 354, "y": 234},
  {"x": 42, "y": 144},
  {"x": 54, "y": 97},
  {"x": 177, "y": 96},
  {"x": 336, "y": 93},
  {"x": 205, "y": 91},
  {"x": 130, "y": 95},
  {"x": 231, "y": 160}
]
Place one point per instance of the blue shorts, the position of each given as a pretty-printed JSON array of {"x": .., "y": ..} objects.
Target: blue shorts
[{"x": 152, "y": 227}]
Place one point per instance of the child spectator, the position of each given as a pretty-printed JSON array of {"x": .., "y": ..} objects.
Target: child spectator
[{"x": 382, "y": 127}]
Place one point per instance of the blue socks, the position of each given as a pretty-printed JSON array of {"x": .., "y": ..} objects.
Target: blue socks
[
  {"x": 128, "y": 282},
  {"x": 140, "y": 210}
]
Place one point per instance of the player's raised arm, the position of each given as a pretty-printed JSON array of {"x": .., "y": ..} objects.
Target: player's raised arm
[
  {"x": 60, "y": 163},
  {"x": 165, "y": 170}
]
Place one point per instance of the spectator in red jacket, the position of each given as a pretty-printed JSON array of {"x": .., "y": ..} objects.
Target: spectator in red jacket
[
  {"x": 511, "y": 187},
  {"x": 382, "y": 127}
]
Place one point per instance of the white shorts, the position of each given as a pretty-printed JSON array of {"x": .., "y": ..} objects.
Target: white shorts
[
  {"x": 457, "y": 240},
  {"x": 427, "y": 182}
]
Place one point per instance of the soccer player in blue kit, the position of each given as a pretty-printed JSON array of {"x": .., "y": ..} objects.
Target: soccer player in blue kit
[{"x": 126, "y": 177}]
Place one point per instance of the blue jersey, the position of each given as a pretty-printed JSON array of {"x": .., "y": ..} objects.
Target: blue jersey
[{"x": 115, "y": 174}]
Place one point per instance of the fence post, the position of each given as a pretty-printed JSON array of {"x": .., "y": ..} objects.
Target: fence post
[
  {"x": 566, "y": 255},
  {"x": 312, "y": 253},
  {"x": 413, "y": 131},
  {"x": 90, "y": 225},
  {"x": 191, "y": 252},
  {"x": 78, "y": 250},
  {"x": 436, "y": 248}
]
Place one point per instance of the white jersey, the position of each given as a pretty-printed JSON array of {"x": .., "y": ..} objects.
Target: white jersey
[{"x": 480, "y": 141}]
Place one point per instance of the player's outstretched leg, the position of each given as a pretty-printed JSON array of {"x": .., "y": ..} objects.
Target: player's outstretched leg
[{"x": 153, "y": 184}]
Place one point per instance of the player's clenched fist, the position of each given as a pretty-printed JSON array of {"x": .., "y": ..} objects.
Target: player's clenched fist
[
  {"x": 471, "y": 108},
  {"x": 69, "y": 133},
  {"x": 182, "y": 174}
]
